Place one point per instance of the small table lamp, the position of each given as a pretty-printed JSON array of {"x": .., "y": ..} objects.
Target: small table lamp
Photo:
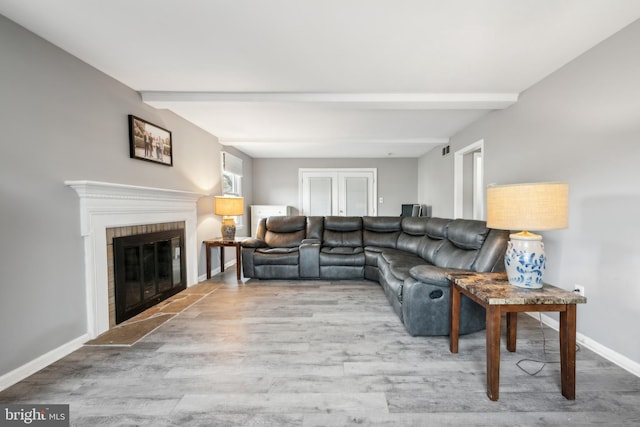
[
  {"x": 228, "y": 207},
  {"x": 540, "y": 206}
]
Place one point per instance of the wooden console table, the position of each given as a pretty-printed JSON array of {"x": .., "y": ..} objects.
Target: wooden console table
[
  {"x": 219, "y": 242},
  {"x": 497, "y": 296}
]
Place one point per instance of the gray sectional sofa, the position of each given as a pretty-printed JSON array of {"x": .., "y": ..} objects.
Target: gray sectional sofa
[{"x": 408, "y": 256}]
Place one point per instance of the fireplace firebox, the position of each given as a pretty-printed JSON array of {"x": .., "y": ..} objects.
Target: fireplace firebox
[{"x": 149, "y": 268}]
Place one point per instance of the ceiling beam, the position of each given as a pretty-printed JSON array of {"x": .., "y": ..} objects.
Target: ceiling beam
[{"x": 428, "y": 101}]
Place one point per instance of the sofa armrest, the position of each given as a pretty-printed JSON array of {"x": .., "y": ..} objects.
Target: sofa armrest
[
  {"x": 253, "y": 243},
  {"x": 425, "y": 306},
  {"x": 248, "y": 269},
  {"x": 434, "y": 275},
  {"x": 309, "y": 266}
]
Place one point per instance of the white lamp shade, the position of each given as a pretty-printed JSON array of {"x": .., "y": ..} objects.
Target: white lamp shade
[
  {"x": 538, "y": 207},
  {"x": 228, "y": 206}
]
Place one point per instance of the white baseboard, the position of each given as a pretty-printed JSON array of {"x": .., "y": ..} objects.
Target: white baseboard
[
  {"x": 215, "y": 271},
  {"x": 18, "y": 374},
  {"x": 612, "y": 356}
]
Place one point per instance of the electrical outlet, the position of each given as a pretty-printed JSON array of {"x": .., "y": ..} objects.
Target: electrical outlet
[{"x": 578, "y": 289}]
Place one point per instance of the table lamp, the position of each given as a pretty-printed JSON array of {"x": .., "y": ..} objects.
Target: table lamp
[
  {"x": 228, "y": 207},
  {"x": 539, "y": 207}
]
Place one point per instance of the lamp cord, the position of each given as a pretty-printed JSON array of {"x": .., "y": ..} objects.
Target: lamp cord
[{"x": 544, "y": 352}]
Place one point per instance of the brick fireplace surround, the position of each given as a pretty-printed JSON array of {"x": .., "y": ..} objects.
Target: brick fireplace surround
[{"x": 109, "y": 207}]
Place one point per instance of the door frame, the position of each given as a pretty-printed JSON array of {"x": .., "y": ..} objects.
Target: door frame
[{"x": 458, "y": 176}]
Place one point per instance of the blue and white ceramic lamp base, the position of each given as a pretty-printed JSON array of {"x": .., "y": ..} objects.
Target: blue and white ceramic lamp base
[{"x": 525, "y": 260}]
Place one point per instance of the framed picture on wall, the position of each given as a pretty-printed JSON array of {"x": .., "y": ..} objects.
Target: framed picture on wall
[{"x": 149, "y": 142}]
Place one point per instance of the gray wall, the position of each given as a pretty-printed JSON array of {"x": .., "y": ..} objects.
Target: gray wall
[
  {"x": 580, "y": 125},
  {"x": 61, "y": 119},
  {"x": 275, "y": 181}
]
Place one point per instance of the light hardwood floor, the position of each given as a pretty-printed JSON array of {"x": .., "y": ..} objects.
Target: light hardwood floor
[{"x": 317, "y": 353}]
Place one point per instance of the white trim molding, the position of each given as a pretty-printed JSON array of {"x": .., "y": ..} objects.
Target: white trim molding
[
  {"x": 28, "y": 369},
  {"x": 612, "y": 356},
  {"x": 104, "y": 205},
  {"x": 458, "y": 175}
]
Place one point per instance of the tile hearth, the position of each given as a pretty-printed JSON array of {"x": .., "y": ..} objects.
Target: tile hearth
[{"x": 131, "y": 331}]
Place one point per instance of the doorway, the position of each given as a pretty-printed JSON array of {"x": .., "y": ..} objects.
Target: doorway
[
  {"x": 468, "y": 192},
  {"x": 338, "y": 192}
]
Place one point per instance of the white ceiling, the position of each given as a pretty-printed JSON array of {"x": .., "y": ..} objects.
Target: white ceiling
[{"x": 327, "y": 78}]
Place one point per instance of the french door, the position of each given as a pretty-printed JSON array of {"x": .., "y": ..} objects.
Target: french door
[{"x": 338, "y": 192}]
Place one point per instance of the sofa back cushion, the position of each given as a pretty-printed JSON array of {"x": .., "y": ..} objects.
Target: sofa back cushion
[
  {"x": 467, "y": 233},
  {"x": 342, "y": 231},
  {"x": 285, "y": 231},
  {"x": 491, "y": 256},
  {"x": 464, "y": 240},
  {"x": 381, "y": 231},
  {"x": 413, "y": 230},
  {"x": 435, "y": 236},
  {"x": 437, "y": 228}
]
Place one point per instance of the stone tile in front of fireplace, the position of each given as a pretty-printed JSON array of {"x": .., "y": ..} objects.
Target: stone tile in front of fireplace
[{"x": 131, "y": 331}]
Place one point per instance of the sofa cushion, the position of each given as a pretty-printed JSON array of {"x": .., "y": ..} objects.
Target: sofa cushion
[
  {"x": 451, "y": 256},
  {"x": 286, "y": 224},
  {"x": 342, "y": 250},
  {"x": 381, "y": 231},
  {"x": 390, "y": 255},
  {"x": 351, "y": 256},
  {"x": 276, "y": 256},
  {"x": 491, "y": 256},
  {"x": 343, "y": 223},
  {"x": 464, "y": 240},
  {"x": 428, "y": 248},
  {"x": 285, "y": 231},
  {"x": 415, "y": 225},
  {"x": 253, "y": 243},
  {"x": 467, "y": 233},
  {"x": 337, "y": 238},
  {"x": 380, "y": 240},
  {"x": 284, "y": 240},
  {"x": 409, "y": 243},
  {"x": 436, "y": 228},
  {"x": 342, "y": 231},
  {"x": 381, "y": 224}
]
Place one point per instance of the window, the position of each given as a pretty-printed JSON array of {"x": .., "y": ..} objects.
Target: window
[
  {"x": 232, "y": 178},
  {"x": 231, "y": 184}
]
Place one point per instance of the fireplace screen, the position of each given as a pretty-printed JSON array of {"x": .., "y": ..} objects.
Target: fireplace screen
[{"x": 149, "y": 268}]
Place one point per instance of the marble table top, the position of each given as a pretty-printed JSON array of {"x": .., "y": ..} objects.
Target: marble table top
[{"x": 494, "y": 289}]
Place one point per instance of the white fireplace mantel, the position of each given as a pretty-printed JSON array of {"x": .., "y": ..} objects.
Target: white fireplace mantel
[{"x": 104, "y": 205}]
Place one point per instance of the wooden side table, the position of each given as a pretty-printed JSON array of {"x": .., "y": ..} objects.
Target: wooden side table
[
  {"x": 497, "y": 296},
  {"x": 221, "y": 243}
]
